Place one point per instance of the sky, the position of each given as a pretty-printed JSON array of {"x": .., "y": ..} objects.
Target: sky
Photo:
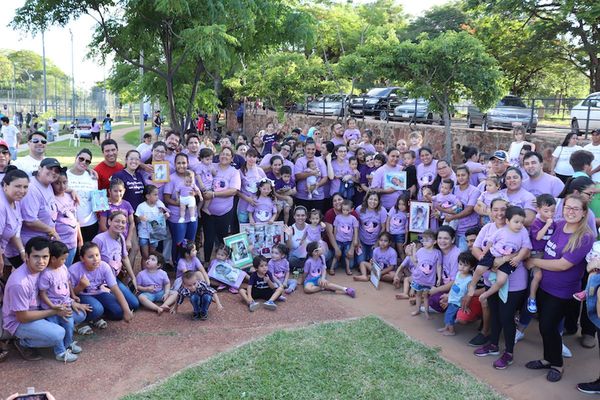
[{"x": 87, "y": 72}]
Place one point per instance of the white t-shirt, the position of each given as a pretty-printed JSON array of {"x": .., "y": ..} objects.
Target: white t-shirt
[
  {"x": 563, "y": 153},
  {"x": 9, "y": 133},
  {"x": 514, "y": 151},
  {"x": 151, "y": 213},
  {"x": 595, "y": 150},
  {"x": 83, "y": 185},
  {"x": 28, "y": 164}
]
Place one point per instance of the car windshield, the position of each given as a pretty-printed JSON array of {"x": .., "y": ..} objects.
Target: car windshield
[
  {"x": 330, "y": 98},
  {"x": 511, "y": 102},
  {"x": 378, "y": 92},
  {"x": 412, "y": 101}
]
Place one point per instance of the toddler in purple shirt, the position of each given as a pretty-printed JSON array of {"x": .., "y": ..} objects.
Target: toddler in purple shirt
[{"x": 345, "y": 229}]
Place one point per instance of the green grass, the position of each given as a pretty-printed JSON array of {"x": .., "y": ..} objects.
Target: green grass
[
  {"x": 133, "y": 137},
  {"x": 358, "y": 359},
  {"x": 65, "y": 154}
]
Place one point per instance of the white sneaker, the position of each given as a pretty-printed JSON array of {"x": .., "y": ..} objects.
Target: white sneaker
[
  {"x": 519, "y": 336},
  {"x": 566, "y": 353}
]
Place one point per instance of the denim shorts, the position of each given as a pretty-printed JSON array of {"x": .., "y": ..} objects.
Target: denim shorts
[
  {"x": 399, "y": 238},
  {"x": 420, "y": 288},
  {"x": 148, "y": 242},
  {"x": 314, "y": 280},
  {"x": 153, "y": 297},
  {"x": 344, "y": 247}
]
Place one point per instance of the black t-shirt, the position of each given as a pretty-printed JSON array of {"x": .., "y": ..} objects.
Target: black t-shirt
[{"x": 259, "y": 283}]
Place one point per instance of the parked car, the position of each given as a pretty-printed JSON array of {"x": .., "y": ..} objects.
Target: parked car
[
  {"x": 329, "y": 104},
  {"x": 509, "y": 111},
  {"x": 579, "y": 114},
  {"x": 406, "y": 112},
  {"x": 379, "y": 102},
  {"x": 84, "y": 128}
]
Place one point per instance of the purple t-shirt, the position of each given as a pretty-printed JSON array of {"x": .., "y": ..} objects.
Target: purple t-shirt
[
  {"x": 176, "y": 182},
  {"x": 506, "y": 242},
  {"x": 158, "y": 279},
  {"x": 522, "y": 198},
  {"x": 546, "y": 183},
  {"x": 398, "y": 221},
  {"x": 385, "y": 258},
  {"x": 475, "y": 177},
  {"x": 313, "y": 268},
  {"x": 112, "y": 251},
  {"x": 103, "y": 275},
  {"x": 563, "y": 284},
  {"x": 280, "y": 184},
  {"x": 56, "y": 284},
  {"x": 426, "y": 173},
  {"x": 314, "y": 233},
  {"x": 186, "y": 191},
  {"x": 337, "y": 140},
  {"x": 388, "y": 200},
  {"x": 278, "y": 268},
  {"x": 485, "y": 234},
  {"x": 134, "y": 187},
  {"x": 125, "y": 207},
  {"x": 371, "y": 224},
  {"x": 301, "y": 184},
  {"x": 183, "y": 265},
  {"x": 425, "y": 272},
  {"x": 450, "y": 264},
  {"x": 249, "y": 180},
  {"x": 445, "y": 200},
  {"x": 467, "y": 197},
  {"x": 66, "y": 220},
  {"x": 20, "y": 294},
  {"x": 37, "y": 205},
  {"x": 344, "y": 226},
  {"x": 264, "y": 209},
  {"x": 340, "y": 169},
  {"x": 204, "y": 173},
  {"x": 350, "y": 134},
  {"x": 536, "y": 226},
  {"x": 10, "y": 225},
  {"x": 486, "y": 197},
  {"x": 268, "y": 140},
  {"x": 228, "y": 178}
]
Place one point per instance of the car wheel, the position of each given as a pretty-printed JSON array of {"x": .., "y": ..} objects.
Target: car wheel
[
  {"x": 383, "y": 115},
  {"x": 470, "y": 123},
  {"x": 575, "y": 126}
]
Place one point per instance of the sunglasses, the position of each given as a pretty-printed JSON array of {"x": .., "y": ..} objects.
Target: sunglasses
[
  {"x": 5, "y": 152},
  {"x": 85, "y": 160},
  {"x": 36, "y": 141}
]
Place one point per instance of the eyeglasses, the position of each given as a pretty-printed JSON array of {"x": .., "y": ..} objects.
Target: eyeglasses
[
  {"x": 588, "y": 193},
  {"x": 36, "y": 141},
  {"x": 85, "y": 160},
  {"x": 574, "y": 209},
  {"x": 159, "y": 151},
  {"x": 5, "y": 152}
]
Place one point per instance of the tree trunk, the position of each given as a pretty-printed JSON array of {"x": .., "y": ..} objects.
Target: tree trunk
[
  {"x": 217, "y": 89},
  {"x": 174, "y": 123},
  {"x": 448, "y": 131}
]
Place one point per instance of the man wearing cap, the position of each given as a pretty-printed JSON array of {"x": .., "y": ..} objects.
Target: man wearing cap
[
  {"x": 539, "y": 182},
  {"x": 37, "y": 148},
  {"x": 12, "y": 136},
  {"x": 109, "y": 165},
  {"x": 594, "y": 148},
  {"x": 282, "y": 150},
  {"x": 500, "y": 164}
]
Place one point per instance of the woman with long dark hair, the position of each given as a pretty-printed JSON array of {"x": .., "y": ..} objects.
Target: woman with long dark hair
[{"x": 560, "y": 158}]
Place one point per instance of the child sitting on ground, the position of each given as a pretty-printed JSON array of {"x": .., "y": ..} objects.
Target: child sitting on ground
[
  {"x": 223, "y": 255},
  {"x": 466, "y": 263},
  {"x": 261, "y": 286},
  {"x": 188, "y": 262},
  {"x": 428, "y": 271},
  {"x": 200, "y": 294},
  {"x": 279, "y": 267},
  {"x": 540, "y": 231},
  {"x": 385, "y": 256},
  {"x": 315, "y": 273},
  {"x": 154, "y": 285},
  {"x": 187, "y": 197}
]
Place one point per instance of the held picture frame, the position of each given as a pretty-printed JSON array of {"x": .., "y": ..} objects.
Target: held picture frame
[
  {"x": 419, "y": 216},
  {"x": 375, "y": 274},
  {"x": 99, "y": 200},
  {"x": 264, "y": 236},
  {"x": 227, "y": 274},
  {"x": 161, "y": 171},
  {"x": 240, "y": 249},
  {"x": 395, "y": 180}
]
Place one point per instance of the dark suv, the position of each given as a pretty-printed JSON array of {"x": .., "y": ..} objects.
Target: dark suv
[{"x": 379, "y": 102}]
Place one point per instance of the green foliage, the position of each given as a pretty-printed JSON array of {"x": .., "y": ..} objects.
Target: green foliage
[
  {"x": 437, "y": 20},
  {"x": 28, "y": 69}
]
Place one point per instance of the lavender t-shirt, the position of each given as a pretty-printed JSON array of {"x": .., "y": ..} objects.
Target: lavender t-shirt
[
  {"x": 37, "y": 205},
  {"x": 344, "y": 226},
  {"x": 426, "y": 173},
  {"x": 450, "y": 264},
  {"x": 340, "y": 169},
  {"x": 388, "y": 200},
  {"x": 158, "y": 279},
  {"x": 563, "y": 284},
  {"x": 425, "y": 272},
  {"x": 66, "y": 220},
  {"x": 487, "y": 197},
  {"x": 112, "y": 251},
  {"x": 103, "y": 275},
  {"x": 506, "y": 242},
  {"x": 521, "y": 198},
  {"x": 183, "y": 265},
  {"x": 314, "y": 233},
  {"x": 278, "y": 268},
  {"x": 264, "y": 209},
  {"x": 445, "y": 200},
  {"x": 313, "y": 268},
  {"x": 385, "y": 258},
  {"x": 10, "y": 225},
  {"x": 372, "y": 222},
  {"x": 249, "y": 180},
  {"x": 301, "y": 185},
  {"x": 467, "y": 197},
  {"x": 475, "y": 177},
  {"x": 20, "y": 294},
  {"x": 397, "y": 221},
  {"x": 546, "y": 183},
  {"x": 56, "y": 284},
  {"x": 204, "y": 173},
  {"x": 228, "y": 178}
]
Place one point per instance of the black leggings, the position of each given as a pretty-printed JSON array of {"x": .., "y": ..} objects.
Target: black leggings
[
  {"x": 89, "y": 232},
  {"x": 551, "y": 310},
  {"x": 578, "y": 311},
  {"x": 503, "y": 317},
  {"x": 215, "y": 228}
]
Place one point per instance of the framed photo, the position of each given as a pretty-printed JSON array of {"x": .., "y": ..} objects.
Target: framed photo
[
  {"x": 225, "y": 273},
  {"x": 240, "y": 250},
  {"x": 419, "y": 216},
  {"x": 99, "y": 200},
  {"x": 395, "y": 180},
  {"x": 263, "y": 236},
  {"x": 375, "y": 274},
  {"x": 161, "y": 172}
]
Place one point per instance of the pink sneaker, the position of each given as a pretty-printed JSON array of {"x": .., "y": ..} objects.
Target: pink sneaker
[
  {"x": 579, "y": 296},
  {"x": 351, "y": 292}
]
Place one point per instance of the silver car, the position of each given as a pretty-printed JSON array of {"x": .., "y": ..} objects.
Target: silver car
[
  {"x": 511, "y": 111},
  {"x": 406, "y": 112},
  {"x": 331, "y": 104}
]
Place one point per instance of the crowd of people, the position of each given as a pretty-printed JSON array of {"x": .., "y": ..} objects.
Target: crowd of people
[{"x": 494, "y": 239}]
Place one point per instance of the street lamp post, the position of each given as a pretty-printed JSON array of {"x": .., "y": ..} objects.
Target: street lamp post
[
  {"x": 44, "y": 65},
  {"x": 72, "y": 78}
]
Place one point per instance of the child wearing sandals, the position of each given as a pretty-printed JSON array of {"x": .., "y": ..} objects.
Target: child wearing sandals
[
  {"x": 466, "y": 263},
  {"x": 56, "y": 293},
  {"x": 154, "y": 285},
  {"x": 404, "y": 273},
  {"x": 261, "y": 286},
  {"x": 428, "y": 271},
  {"x": 198, "y": 290},
  {"x": 279, "y": 267},
  {"x": 385, "y": 256},
  {"x": 315, "y": 273}
]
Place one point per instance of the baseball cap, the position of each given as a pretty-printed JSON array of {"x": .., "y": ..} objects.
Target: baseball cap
[
  {"x": 500, "y": 155},
  {"x": 50, "y": 163},
  {"x": 596, "y": 132},
  {"x": 3, "y": 143}
]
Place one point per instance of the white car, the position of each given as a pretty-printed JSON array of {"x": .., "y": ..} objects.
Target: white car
[{"x": 579, "y": 114}]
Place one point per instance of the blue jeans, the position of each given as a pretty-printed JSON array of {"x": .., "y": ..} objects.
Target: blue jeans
[
  {"x": 450, "y": 314},
  {"x": 106, "y": 304},
  {"x": 69, "y": 326},
  {"x": 243, "y": 217},
  {"x": 41, "y": 333},
  {"x": 367, "y": 253},
  {"x": 201, "y": 303},
  {"x": 178, "y": 233},
  {"x": 592, "y": 299},
  {"x": 70, "y": 257},
  {"x": 131, "y": 298},
  {"x": 153, "y": 297},
  {"x": 13, "y": 153}
]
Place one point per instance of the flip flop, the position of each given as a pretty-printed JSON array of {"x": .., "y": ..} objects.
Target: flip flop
[
  {"x": 332, "y": 272},
  {"x": 554, "y": 375},
  {"x": 537, "y": 364}
]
